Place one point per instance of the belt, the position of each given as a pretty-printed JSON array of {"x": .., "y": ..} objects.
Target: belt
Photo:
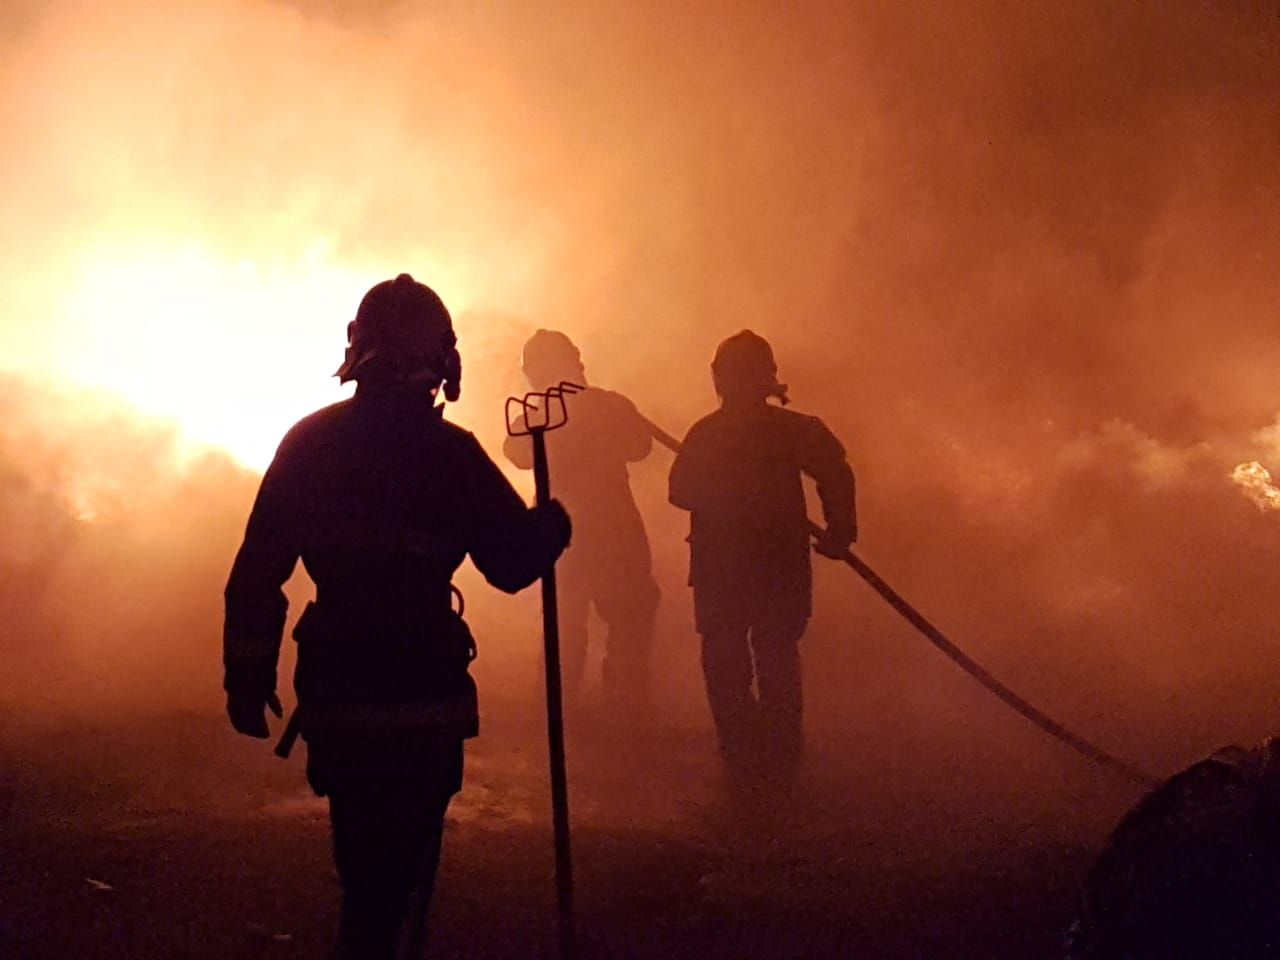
[{"x": 458, "y": 716}]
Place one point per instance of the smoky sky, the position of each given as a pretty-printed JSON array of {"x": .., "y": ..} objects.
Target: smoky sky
[{"x": 1022, "y": 258}]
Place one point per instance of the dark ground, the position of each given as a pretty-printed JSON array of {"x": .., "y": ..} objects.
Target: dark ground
[{"x": 174, "y": 838}]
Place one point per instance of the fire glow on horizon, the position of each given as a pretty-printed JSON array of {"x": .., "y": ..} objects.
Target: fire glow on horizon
[
  {"x": 219, "y": 347},
  {"x": 232, "y": 352}
]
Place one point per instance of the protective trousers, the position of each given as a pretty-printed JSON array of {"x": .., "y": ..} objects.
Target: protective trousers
[
  {"x": 627, "y": 601},
  {"x": 760, "y": 731},
  {"x": 386, "y": 846},
  {"x": 387, "y": 801}
]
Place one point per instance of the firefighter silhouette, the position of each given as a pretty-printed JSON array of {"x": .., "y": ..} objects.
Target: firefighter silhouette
[
  {"x": 609, "y": 565},
  {"x": 382, "y": 499},
  {"x": 739, "y": 474}
]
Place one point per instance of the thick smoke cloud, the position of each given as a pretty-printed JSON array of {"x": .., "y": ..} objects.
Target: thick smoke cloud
[
  {"x": 1022, "y": 257},
  {"x": 116, "y": 538}
]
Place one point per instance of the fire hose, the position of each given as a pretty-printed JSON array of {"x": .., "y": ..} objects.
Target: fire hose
[{"x": 966, "y": 663}]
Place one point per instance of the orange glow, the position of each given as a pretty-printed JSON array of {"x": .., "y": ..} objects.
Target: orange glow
[
  {"x": 1028, "y": 282},
  {"x": 232, "y": 352},
  {"x": 190, "y": 228}
]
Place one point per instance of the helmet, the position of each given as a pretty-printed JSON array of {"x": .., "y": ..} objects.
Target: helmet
[
  {"x": 403, "y": 333},
  {"x": 744, "y": 366},
  {"x": 549, "y": 357}
]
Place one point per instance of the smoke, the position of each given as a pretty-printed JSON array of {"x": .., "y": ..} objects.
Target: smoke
[
  {"x": 117, "y": 536},
  {"x": 1020, "y": 257}
]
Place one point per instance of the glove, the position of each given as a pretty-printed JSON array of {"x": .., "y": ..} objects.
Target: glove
[
  {"x": 554, "y": 521},
  {"x": 833, "y": 544},
  {"x": 248, "y": 713}
]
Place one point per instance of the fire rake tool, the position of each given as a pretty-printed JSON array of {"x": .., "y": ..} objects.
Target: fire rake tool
[
  {"x": 962, "y": 659},
  {"x": 533, "y": 415}
]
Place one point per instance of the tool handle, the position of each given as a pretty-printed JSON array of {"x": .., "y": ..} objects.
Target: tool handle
[
  {"x": 289, "y": 737},
  {"x": 555, "y": 719}
]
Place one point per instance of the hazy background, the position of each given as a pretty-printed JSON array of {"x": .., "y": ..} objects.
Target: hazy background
[{"x": 1021, "y": 257}]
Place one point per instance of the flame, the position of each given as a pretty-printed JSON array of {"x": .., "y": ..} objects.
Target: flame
[
  {"x": 230, "y": 351},
  {"x": 1255, "y": 480}
]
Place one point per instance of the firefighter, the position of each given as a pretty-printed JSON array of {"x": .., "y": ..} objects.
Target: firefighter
[
  {"x": 382, "y": 499},
  {"x": 739, "y": 474},
  {"x": 609, "y": 564}
]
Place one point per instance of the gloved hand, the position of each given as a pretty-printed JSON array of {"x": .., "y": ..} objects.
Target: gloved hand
[
  {"x": 833, "y": 544},
  {"x": 248, "y": 713},
  {"x": 554, "y": 520}
]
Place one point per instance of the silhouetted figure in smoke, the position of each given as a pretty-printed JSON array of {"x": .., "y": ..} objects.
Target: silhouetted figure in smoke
[
  {"x": 1193, "y": 871},
  {"x": 382, "y": 500},
  {"x": 739, "y": 473},
  {"x": 609, "y": 564}
]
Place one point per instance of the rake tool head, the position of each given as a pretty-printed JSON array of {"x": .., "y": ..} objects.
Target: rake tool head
[{"x": 539, "y": 412}]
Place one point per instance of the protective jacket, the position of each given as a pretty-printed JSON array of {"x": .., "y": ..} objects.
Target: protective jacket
[
  {"x": 382, "y": 500},
  {"x": 739, "y": 473}
]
